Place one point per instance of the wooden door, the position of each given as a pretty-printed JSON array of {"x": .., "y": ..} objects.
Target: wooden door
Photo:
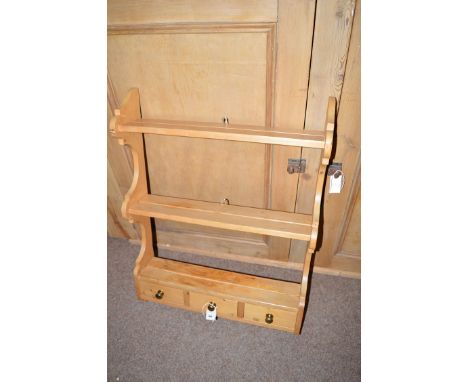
[
  {"x": 244, "y": 61},
  {"x": 336, "y": 70}
]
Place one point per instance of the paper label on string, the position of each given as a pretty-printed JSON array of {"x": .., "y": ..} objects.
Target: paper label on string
[
  {"x": 211, "y": 315},
  {"x": 336, "y": 184}
]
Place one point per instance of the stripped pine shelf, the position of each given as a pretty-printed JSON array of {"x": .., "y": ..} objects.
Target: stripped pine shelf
[
  {"x": 313, "y": 139},
  {"x": 245, "y": 298},
  {"x": 226, "y": 284},
  {"x": 244, "y": 219},
  {"x": 237, "y": 296}
]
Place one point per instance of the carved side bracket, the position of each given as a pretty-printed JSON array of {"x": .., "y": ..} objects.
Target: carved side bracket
[
  {"x": 130, "y": 111},
  {"x": 330, "y": 130}
]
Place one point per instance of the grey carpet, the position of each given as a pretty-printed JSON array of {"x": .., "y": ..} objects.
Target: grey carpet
[{"x": 150, "y": 342}]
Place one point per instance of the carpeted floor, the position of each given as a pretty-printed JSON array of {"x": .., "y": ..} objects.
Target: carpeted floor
[{"x": 150, "y": 342}]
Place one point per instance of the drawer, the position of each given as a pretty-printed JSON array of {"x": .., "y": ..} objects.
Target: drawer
[
  {"x": 171, "y": 296},
  {"x": 224, "y": 307},
  {"x": 281, "y": 318}
]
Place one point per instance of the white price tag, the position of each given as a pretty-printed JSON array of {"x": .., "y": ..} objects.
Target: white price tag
[
  {"x": 336, "y": 182},
  {"x": 210, "y": 315}
]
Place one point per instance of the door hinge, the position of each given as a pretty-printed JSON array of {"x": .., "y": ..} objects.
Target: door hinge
[{"x": 296, "y": 166}]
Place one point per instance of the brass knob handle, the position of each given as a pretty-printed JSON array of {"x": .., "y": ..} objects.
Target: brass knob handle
[
  {"x": 159, "y": 294},
  {"x": 269, "y": 318},
  {"x": 290, "y": 169},
  {"x": 211, "y": 306}
]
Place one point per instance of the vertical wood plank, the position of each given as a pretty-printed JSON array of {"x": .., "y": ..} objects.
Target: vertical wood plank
[
  {"x": 348, "y": 151},
  {"x": 334, "y": 21},
  {"x": 295, "y": 31},
  {"x": 350, "y": 243},
  {"x": 188, "y": 11}
]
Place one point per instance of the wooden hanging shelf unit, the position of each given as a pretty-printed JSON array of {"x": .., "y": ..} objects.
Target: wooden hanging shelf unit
[{"x": 246, "y": 298}]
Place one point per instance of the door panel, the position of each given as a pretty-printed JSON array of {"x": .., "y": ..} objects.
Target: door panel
[
  {"x": 124, "y": 12},
  {"x": 338, "y": 22},
  {"x": 294, "y": 39},
  {"x": 332, "y": 32},
  {"x": 199, "y": 75},
  {"x": 352, "y": 238},
  {"x": 207, "y": 170}
]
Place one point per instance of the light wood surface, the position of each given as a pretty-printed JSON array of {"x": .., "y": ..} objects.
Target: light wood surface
[
  {"x": 224, "y": 284},
  {"x": 117, "y": 225},
  {"x": 332, "y": 32},
  {"x": 130, "y": 110},
  {"x": 294, "y": 39},
  {"x": 172, "y": 296},
  {"x": 245, "y": 219},
  {"x": 119, "y": 179},
  {"x": 281, "y": 318},
  {"x": 329, "y": 55},
  {"x": 225, "y": 307},
  {"x": 180, "y": 11},
  {"x": 349, "y": 266},
  {"x": 351, "y": 240},
  {"x": 325, "y": 158},
  {"x": 232, "y": 133},
  {"x": 240, "y": 309},
  {"x": 338, "y": 207},
  {"x": 194, "y": 65}
]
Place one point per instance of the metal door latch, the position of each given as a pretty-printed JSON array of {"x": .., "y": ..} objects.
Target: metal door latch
[
  {"x": 334, "y": 167},
  {"x": 296, "y": 166}
]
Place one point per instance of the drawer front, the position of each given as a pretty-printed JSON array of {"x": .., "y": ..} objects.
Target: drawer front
[
  {"x": 281, "y": 318},
  {"x": 224, "y": 307},
  {"x": 171, "y": 296}
]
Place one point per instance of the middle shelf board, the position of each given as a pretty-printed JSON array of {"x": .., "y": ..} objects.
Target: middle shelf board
[
  {"x": 216, "y": 215},
  {"x": 298, "y": 138}
]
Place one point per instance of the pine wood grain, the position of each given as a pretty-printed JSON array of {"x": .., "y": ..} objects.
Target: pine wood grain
[
  {"x": 317, "y": 199},
  {"x": 245, "y": 219},
  {"x": 225, "y": 307},
  {"x": 119, "y": 179},
  {"x": 281, "y": 318},
  {"x": 237, "y": 133},
  {"x": 179, "y": 11},
  {"x": 338, "y": 207},
  {"x": 334, "y": 22},
  {"x": 217, "y": 282},
  {"x": 295, "y": 30},
  {"x": 351, "y": 241}
]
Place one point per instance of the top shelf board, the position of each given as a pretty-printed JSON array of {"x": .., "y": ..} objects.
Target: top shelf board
[{"x": 315, "y": 139}]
